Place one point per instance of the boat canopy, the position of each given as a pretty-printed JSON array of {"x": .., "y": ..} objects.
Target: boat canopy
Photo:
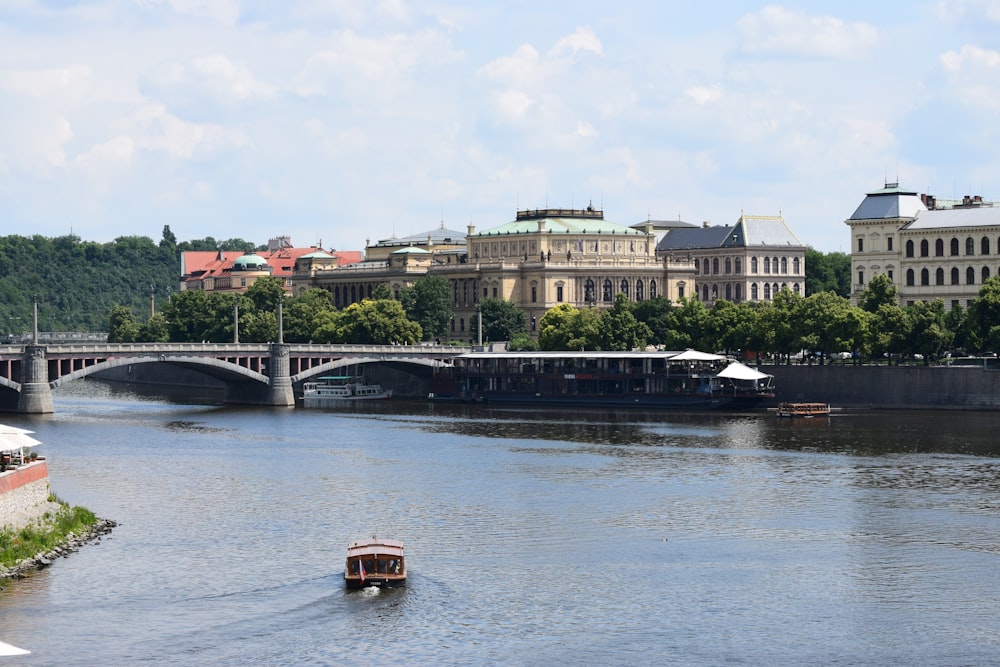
[
  {"x": 695, "y": 355},
  {"x": 737, "y": 371}
]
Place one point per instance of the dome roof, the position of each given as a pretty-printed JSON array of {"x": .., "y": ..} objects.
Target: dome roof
[{"x": 250, "y": 262}]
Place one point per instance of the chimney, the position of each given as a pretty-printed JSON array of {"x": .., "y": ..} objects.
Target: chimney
[
  {"x": 706, "y": 224},
  {"x": 471, "y": 230}
]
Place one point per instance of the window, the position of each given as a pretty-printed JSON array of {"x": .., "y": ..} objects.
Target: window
[
  {"x": 970, "y": 276},
  {"x": 939, "y": 277},
  {"x": 753, "y": 265},
  {"x": 534, "y": 294},
  {"x": 861, "y": 277},
  {"x": 984, "y": 246},
  {"x": 796, "y": 288},
  {"x": 559, "y": 293},
  {"x": 888, "y": 243},
  {"x": 889, "y": 273},
  {"x": 623, "y": 287},
  {"x": 608, "y": 297},
  {"x": 909, "y": 277},
  {"x": 729, "y": 292},
  {"x": 680, "y": 290},
  {"x": 784, "y": 265},
  {"x": 767, "y": 292},
  {"x": 986, "y": 273},
  {"x": 861, "y": 244},
  {"x": 954, "y": 247},
  {"x": 494, "y": 292},
  {"x": 454, "y": 298},
  {"x": 652, "y": 289},
  {"x": 704, "y": 292},
  {"x": 739, "y": 265},
  {"x": 638, "y": 290},
  {"x": 705, "y": 264},
  {"x": 715, "y": 266},
  {"x": 767, "y": 265},
  {"x": 753, "y": 291},
  {"x": 796, "y": 266},
  {"x": 588, "y": 291},
  {"x": 729, "y": 266},
  {"x": 924, "y": 248},
  {"x": 738, "y": 292},
  {"x": 909, "y": 248},
  {"x": 939, "y": 248},
  {"x": 954, "y": 276},
  {"x": 925, "y": 277},
  {"x": 970, "y": 246},
  {"x": 461, "y": 324}
]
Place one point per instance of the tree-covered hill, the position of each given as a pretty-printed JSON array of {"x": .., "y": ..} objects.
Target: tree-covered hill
[{"x": 77, "y": 283}]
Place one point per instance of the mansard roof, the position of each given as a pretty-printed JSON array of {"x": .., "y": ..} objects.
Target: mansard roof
[
  {"x": 438, "y": 236},
  {"x": 890, "y": 202},
  {"x": 751, "y": 230},
  {"x": 950, "y": 218}
]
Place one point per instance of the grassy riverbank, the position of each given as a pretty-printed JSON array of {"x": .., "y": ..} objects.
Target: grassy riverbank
[{"x": 44, "y": 534}]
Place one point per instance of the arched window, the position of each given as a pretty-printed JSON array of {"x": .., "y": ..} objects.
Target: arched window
[
  {"x": 729, "y": 291},
  {"x": 715, "y": 266},
  {"x": 954, "y": 276},
  {"x": 925, "y": 277},
  {"x": 970, "y": 276},
  {"x": 986, "y": 273},
  {"x": 354, "y": 293},
  {"x": 784, "y": 265},
  {"x": 767, "y": 265},
  {"x": 924, "y": 248},
  {"x": 588, "y": 291},
  {"x": 704, "y": 292},
  {"x": 939, "y": 277},
  {"x": 970, "y": 246},
  {"x": 909, "y": 277},
  {"x": 738, "y": 292},
  {"x": 753, "y": 265},
  {"x": 984, "y": 246},
  {"x": 909, "y": 248},
  {"x": 608, "y": 298},
  {"x": 705, "y": 265},
  {"x": 954, "y": 247},
  {"x": 774, "y": 289},
  {"x": 796, "y": 288},
  {"x": 739, "y": 266},
  {"x": 623, "y": 287},
  {"x": 795, "y": 266},
  {"x": 774, "y": 264},
  {"x": 753, "y": 291},
  {"x": 715, "y": 291},
  {"x": 652, "y": 289},
  {"x": 861, "y": 276},
  {"x": 939, "y": 248},
  {"x": 729, "y": 266},
  {"x": 767, "y": 292},
  {"x": 638, "y": 290}
]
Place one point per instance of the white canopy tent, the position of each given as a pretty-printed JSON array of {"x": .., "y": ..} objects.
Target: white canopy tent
[
  {"x": 695, "y": 355},
  {"x": 9, "y": 649},
  {"x": 737, "y": 371}
]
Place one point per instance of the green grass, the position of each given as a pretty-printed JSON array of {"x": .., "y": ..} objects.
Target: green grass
[{"x": 45, "y": 534}]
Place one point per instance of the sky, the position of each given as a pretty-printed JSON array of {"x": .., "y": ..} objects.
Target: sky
[{"x": 336, "y": 122}]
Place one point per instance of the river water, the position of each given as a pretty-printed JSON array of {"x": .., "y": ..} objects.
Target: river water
[{"x": 533, "y": 537}]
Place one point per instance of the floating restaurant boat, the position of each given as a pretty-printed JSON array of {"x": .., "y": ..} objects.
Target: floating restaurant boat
[
  {"x": 332, "y": 390},
  {"x": 686, "y": 380},
  {"x": 375, "y": 562},
  {"x": 803, "y": 410}
]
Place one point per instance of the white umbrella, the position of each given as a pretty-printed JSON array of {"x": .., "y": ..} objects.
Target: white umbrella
[
  {"x": 738, "y": 371},
  {"x": 12, "y": 438},
  {"x": 695, "y": 355},
  {"x": 10, "y": 649}
]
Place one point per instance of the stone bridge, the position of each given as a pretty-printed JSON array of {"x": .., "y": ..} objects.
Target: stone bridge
[{"x": 254, "y": 374}]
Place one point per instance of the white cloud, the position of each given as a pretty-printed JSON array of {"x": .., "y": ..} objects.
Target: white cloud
[
  {"x": 583, "y": 39},
  {"x": 780, "y": 31},
  {"x": 704, "y": 94},
  {"x": 970, "y": 57},
  {"x": 224, "y": 11},
  {"x": 155, "y": 129},
  {"x": 584, "y": 129}
]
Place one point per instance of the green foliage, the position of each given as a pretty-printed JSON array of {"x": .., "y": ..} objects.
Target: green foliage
[
  {"x": 828, "y": 272},
  {"x": 984, "y": 317},
  {"x": 619, "y": 330},
  {"x": 522, "y": 342},
  {"x": 371, "y": 322},
  {"x": 123, "y": 328},
  {"x": 48, "y": 533},
  {"x": 301, "y": 313},
  {"x": 428, "y": 302},
  {"x": 502, "y": 320},
  {"x": 266, "y": 293},
  {"x": 880, "y": 291}
]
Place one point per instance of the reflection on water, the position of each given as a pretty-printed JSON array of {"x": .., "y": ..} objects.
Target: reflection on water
[{"x": 533, "y": 537}]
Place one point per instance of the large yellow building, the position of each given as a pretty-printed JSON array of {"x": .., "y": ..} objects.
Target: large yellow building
[
  {"x": 929, "y": 248},
  {"x": 542, "y": 259}
]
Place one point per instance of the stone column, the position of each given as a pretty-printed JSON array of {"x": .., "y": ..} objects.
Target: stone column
[
  {"x": 36, "y": 394},
  {"x": 280, "y": 390}
]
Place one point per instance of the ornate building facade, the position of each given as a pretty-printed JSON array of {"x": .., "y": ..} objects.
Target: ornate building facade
[
  {"x": 542, "y": 259},
  {"x": 750, "y": 261},
  {"x": 929, "y": 248}
]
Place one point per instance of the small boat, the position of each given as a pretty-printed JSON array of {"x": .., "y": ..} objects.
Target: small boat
[
  {"x": 803, "y": 410},
  {"x": 331, "y": 390},
  {"x": 375, "y": 562}
]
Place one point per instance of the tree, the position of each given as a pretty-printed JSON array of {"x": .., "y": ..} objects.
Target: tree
[
  {"x": 194, "y": 316},
  {"x": 889, "y": 332},
  {"x": 370, "y": 322},
  {"x": 502, "y": 320},
  {"x": 619, "y": 330},
  {"x": 155, "y": 330},
  {"x": 880, "y": 291},
  {"x": 984, "y": 317},
  {"x": 266, "y": 293},
  {"x": 780, "y": 320},
  {"x": 428, "y": 302},
  {"x": 169, "y": 241},
  {"x": 301, "y": 313},
  {"x": 828, "y": 272},
  {"x": 123, "y": 328},
  {"x": 928, "y": 334},
  {"x": 555, "y": 328},
  {"x": 658, "y": 314},
  {"x": 692, "y": 328}
]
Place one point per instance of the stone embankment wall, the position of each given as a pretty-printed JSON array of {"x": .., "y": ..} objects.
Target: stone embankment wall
[
  {"x": 24, "y": 494},
  {"x": 889, "y": 387}
]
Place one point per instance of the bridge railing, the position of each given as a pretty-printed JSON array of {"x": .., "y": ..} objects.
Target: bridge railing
[{"x": 237, "y": 349}]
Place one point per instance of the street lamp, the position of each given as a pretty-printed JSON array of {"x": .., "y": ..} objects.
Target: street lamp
[{"x": 479, "y": 323}]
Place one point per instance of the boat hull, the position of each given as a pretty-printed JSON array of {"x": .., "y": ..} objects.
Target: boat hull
[
  {"x": 653, "y": 402},
  {"x": 355, "y": 583},
  {"x": 318, "y": 401}
]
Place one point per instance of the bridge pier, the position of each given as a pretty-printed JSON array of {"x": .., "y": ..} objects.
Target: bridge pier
[
  {"x": 36, "y": 393},
  {"x": 279, "y": 391}
]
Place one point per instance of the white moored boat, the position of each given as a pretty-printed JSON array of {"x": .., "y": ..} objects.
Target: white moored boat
[{"x": 331, "y": 390}]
